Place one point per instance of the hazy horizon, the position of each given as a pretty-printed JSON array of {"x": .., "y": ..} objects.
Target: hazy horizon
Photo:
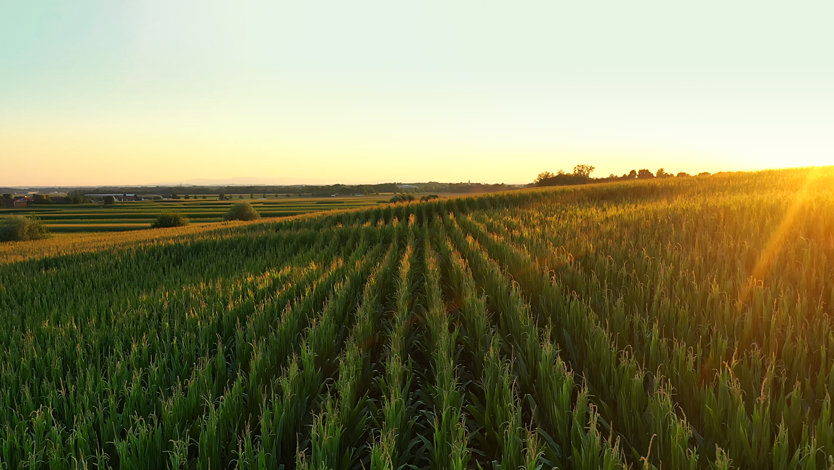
[
  {"x": 256, "y": 182},
  {"x": 98, "y": 93}
]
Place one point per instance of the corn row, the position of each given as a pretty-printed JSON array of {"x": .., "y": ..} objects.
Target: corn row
[
  {"x": 616, "y": 380},
  {"x": 394, "y": 443}
]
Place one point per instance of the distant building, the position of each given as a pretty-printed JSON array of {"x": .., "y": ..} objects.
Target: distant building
[
  {"x": 121, "y": 197},
  {"x": 18, "y": 202}
]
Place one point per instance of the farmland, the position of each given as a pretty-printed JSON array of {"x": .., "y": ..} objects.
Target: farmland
[
  {"x": 122, "y": 216},
  {"x": 675, "y": 323}
]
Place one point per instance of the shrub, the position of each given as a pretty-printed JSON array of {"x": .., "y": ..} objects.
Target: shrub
[
  {"x": 402, "y": 198},
  {"x": 242, "y": 211},
  {"x": 18, "y": 228},
  {"x": 170, "y": 219}
]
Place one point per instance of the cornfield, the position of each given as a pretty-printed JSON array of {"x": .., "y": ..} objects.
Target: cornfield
[{"x": 676, "y": 323}]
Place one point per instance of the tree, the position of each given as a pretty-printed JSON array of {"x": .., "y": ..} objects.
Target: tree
[
  {"x": 661, "y": 173},
  {"x": 75, "y": 197},
  {"x": 543, "y": 176},
  {"x": 402, "y": 197},
  {"x": 562, "y": 179},
  {"x": 19, "y": 228},
  {"x": 683, "y": 174},
  {"x": 583, "y": 170},
  {"x": 109, "y": 200},
  {"x": 644, "y": 174},
  {"x": 170, "y": 219},
  {"x": 221, "y": 197},
  {"x": 632, "y": 175},
  {"x": 242, "y": 211}
]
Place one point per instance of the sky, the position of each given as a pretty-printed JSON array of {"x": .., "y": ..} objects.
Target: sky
[{"x": 157, "y": 92}]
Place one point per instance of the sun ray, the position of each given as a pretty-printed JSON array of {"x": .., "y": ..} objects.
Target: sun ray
[{"x": 777, "y": 239}]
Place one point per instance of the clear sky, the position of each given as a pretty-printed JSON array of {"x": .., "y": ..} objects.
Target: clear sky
[{"x": 139, "y": 92}]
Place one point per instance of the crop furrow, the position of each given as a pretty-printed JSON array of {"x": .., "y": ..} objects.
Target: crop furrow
[{"x": 617, "y": 381}]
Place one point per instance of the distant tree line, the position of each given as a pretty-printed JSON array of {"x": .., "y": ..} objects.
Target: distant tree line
[
  {"x": 71, "y": 198},
  {"x": 276, "y": 191},
  {"x": 647, "y": 174},
  {"x": 582, "y": 175}
]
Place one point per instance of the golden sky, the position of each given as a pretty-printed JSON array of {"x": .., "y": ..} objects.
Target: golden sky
[{"x": 150, "y": 92}]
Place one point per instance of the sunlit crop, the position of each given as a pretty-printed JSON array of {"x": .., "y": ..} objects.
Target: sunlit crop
[{"x": 682, "y": 323}]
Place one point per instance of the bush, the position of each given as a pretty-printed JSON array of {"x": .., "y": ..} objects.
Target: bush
[
  {"x": 402, "y": 198},
  {"x": 242, "y": 211},
  {"x": 170, "y": 219},
  {"x": 18, "y": 228}
]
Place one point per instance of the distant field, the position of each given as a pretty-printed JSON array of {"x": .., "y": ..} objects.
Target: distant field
[{"x": 122, "y": 216}]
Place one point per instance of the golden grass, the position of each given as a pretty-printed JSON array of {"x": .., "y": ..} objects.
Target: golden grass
[{"x": 71, "y": 243}]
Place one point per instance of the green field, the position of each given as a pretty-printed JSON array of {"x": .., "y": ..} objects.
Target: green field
[
  {"x": 675, "y": 323},
  {"x": 70, "y": 218}
]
